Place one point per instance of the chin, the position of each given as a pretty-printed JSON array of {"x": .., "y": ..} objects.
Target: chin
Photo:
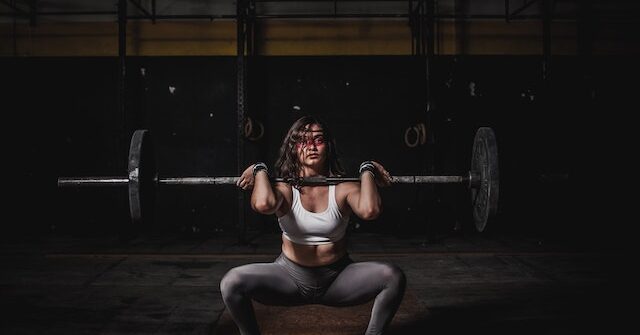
[{"x": 315, "y": 163}]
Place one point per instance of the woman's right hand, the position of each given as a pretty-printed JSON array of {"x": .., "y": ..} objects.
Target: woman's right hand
[{"x": 246, "y": 179}]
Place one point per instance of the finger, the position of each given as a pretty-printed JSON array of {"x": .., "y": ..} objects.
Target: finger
[{"x": 387, "y": 178}]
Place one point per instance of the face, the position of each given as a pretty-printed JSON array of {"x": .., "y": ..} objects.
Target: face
[{"x": 312, "y": 149}]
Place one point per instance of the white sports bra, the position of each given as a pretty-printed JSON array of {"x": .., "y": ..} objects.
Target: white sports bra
[{"x": 304, "y": 227}]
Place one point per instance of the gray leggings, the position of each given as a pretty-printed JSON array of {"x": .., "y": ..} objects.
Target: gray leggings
[{"x": 285, "y": 283}]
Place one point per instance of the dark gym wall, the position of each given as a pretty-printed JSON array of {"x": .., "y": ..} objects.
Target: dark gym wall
[{"x": 63, "y": 118}]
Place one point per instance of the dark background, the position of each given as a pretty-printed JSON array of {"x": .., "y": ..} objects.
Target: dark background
[{"x": 62, "y": 120}]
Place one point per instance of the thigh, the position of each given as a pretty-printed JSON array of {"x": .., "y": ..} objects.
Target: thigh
[
  {"x": 358, "y": 283},
  {"x": 267, "y": 283}
]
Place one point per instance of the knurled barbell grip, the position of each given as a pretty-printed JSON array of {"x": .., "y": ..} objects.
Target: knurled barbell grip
[
  {"x": 429, "y": 179},
  {"x": 315, "y": 180}
]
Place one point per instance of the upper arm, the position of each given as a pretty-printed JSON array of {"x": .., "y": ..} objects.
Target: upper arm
[
  {"x": 353, "y": 196},
  {"x": 366, "y": 209},
  {"x": 283, "y": 195}
]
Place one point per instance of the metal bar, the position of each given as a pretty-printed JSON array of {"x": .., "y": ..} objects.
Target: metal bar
[
  {"x": 411, "y": 25},
  {"x": 212, "y": 17},
  {"x": 241, "y": 36},
  {"x": 250, "y": 38},
  {"x": 77, "y": 13},
  {"x": 429, "y": 179},
  {"x": 461, "y": 28},
  {"x": 585, "y": 31},
  {"x": 525, "y": 6},
  {"x": 14, "y": 35},
  {"x": 314, "y": 180},
  {"x": 15, "y": 8},
  {"x": 122, "y": 71},
  {"x": 628, "y": 18},
  {"x": 194, "y": 181},
  {"x": 175, "y": 16},
  {"x": 198, "y": 181},
  {"x": 430, "y": 51},
  {"x": 546, "y": 37},
  {"x": 421, "y": 17},
  {"x": 405, "y": 15},
  {"x": 91, "y": 181},
  {"x": 142, "y": 9},
  {"x": 506, "y": 10},
  {"x": 186, "y": 17},
  {"x": 32, "y": 12},
  {"x": 331, "y": 16}
]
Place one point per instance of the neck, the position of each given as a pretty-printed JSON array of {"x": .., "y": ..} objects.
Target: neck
[{"x": 312, "y": 171}]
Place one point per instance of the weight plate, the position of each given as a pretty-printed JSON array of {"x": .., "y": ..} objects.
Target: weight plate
[
  {"x": 484, "y": 164},
  {"x": 142, "y": 177}
]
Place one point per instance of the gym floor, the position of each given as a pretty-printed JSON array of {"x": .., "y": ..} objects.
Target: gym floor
[{"x": 487, "y": 283}]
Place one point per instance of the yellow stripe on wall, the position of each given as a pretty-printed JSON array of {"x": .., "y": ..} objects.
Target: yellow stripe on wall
[{"x": 329, "y": 37}]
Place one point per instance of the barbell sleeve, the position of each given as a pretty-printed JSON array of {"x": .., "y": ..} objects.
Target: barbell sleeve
[{"x": 91, "y": 181}]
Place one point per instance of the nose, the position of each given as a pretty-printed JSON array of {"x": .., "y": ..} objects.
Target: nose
[{"x": 312, "y": 144}]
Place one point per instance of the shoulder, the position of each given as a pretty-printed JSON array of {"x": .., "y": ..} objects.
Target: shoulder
[
  {"x": 346, "y": 188},
  {"x": 284, "y": 188},
  {"x": 286, "y": 194}
]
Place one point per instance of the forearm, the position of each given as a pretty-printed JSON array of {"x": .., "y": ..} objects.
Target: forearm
[
  {"x": 369, "y": 202},
  {"x": 263, "y": 198}
]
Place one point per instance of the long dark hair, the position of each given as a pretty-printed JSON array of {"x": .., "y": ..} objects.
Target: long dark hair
[{"x": 287, "y": 165}]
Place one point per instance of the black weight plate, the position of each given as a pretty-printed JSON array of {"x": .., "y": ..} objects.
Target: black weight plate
[
  {"x": 142, "y": 177},
  {"x": 484, "y": 164}
]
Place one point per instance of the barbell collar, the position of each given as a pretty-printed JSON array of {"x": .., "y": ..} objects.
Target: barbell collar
[{"x": 474, "y": 179}]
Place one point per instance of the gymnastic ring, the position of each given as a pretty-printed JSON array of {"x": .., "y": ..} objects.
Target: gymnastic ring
[
  {"x": 260, "y": 133},
  {"x": 406, "y": 137},
  {"x": 248, "y": 127},
  {"x": 423, "y": 133}
]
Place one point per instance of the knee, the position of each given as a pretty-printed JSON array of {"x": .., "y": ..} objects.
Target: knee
[
  {"x": 394, "y": 276},
  {"x": 231, "y": 283}
]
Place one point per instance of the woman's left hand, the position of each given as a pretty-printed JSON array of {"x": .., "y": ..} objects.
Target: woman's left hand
[{"x": 383, "y": 177}]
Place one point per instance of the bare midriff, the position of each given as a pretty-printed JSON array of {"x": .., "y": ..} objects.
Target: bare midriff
[{"x": 314, "y": 255}]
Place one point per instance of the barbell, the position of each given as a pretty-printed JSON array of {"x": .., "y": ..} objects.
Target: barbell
[{"x": 142, "y": 178}]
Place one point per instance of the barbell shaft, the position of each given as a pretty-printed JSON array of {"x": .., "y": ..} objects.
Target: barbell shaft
[
  {"x": 115, "y": 181},
  {"x": 314, "y": 180}
]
